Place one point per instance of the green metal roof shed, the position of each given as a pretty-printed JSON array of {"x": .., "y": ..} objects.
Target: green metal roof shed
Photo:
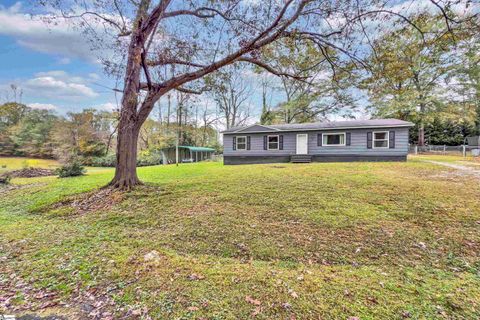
[
  {"x": 186, "y": 154},
  {"x": 195, "y": 149}
]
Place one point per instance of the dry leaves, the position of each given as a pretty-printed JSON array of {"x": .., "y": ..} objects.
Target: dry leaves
[
  {"x": 195, "y": 277},
  {"x": 253, "y": 301}
]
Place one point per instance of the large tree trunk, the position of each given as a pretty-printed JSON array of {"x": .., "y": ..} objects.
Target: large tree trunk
[
  {"x": 126, "y": 168},
  {"x": 421, "y": 134},
  {"x": 421, "y": 127},
  {"x": 129, "y": 125}
]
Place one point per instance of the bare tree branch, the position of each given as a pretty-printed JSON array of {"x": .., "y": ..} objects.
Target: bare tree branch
[{"x": 271, "y": 69}]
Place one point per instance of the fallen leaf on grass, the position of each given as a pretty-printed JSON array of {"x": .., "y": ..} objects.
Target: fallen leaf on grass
[
  {"x": 286, "y": 305},
  {"x": 253, "y": 301},
  {"x": 256, "y": 311},
  {"x": 293, "y": 293},
  {"x": 406, "y": 314},
  {"x": 372, "y": 300},
  {"x": 422, "y": 245},
  {"x": 195, "y": 276}
]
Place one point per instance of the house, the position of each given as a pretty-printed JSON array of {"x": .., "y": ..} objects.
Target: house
[
  {"x": 356, "y": 140},
  {"x": 186, "y": 154}
]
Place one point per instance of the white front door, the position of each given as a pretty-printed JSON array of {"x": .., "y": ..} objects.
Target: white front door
[{"x": 302, "y": 143}]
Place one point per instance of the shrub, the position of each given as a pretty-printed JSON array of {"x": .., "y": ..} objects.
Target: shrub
[
  {"x": 145, "y": 158},
  {"x": 5, "y": 179},
  {"x": 105, "y": 161},
  {"x": 71, "y": 169},
  {"x": 149, "y": 158}
]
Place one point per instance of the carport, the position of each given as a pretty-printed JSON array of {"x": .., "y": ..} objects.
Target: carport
[{"x": 186, "y": 154}]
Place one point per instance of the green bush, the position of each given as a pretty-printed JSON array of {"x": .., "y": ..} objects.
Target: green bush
[
  {"x": 105, "y": 161},
  {"x": 145, "y": 158},
  {"x": 5, "y": 179},
  {"x": 72, "y": 169},
  {"x": 149, "y": 158}
]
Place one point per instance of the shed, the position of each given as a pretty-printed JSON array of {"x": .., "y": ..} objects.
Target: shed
[
  {"x": 186, "y": 154},
  {"x": 473, "y": 141}
]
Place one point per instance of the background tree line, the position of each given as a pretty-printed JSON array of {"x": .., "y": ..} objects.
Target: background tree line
[
  {"x": 90, "y": 135},
  {"x": 431, "y": 78}
]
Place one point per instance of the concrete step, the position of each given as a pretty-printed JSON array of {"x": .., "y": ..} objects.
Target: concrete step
[{"x": 301, "y": 158}]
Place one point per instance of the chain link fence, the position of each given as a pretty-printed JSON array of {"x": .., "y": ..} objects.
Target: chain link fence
[{"x": 462, "y": 150}]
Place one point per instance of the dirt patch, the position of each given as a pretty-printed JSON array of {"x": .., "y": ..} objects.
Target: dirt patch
[
  {"x": 460, "y": 170},
  {"x": 89, "y": 202},
  {"x": 29, "y": 173}
]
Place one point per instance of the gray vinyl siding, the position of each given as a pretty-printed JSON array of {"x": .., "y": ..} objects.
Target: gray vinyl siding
[{"x": 358, "y": 144}]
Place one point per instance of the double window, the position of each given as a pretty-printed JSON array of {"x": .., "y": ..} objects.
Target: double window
[
  {"x": 333, "y": 139},
  {"x": 380, "y": 139},
  {"x": 273, "y": 142},
  {"x": 241, "y": 143}
]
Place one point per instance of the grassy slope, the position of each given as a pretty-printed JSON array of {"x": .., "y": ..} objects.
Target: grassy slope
[
  {"x": 8, "y": 163},
  {"x": 372, "y": 240}
]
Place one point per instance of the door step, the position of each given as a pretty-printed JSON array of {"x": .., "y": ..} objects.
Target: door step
[{"x": 301, "y": 158}]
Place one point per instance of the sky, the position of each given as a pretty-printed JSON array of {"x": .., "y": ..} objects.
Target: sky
[
  {"x": 57, "y": 70},
  {"x": 54, "y": 67}
]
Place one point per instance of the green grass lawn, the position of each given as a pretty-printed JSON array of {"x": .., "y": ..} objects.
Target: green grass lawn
[{"x": 279, "y": 241}]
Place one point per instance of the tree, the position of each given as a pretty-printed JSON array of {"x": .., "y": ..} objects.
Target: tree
[
  {"x": 465, "y": 76},
  {"x": 408, "y": 69},
  {"x": 200, "y": 38},
  {"x": 85, "y": 134},
  {"x": 267, "y": 116},
  {"x": 230, "y": 91},
  {"x": 316, "y": 90},
  {"x": 10, "y": 115},
  {"x": 32, "y": 135}
]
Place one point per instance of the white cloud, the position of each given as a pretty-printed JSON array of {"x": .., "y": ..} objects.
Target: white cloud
[
  {"x": 64, "y": 61},
  {"x": 108, "y": 106},
  {"x": 63, "y": 76},
  {"x": 15, "y": 8},
  {"x": 60, "y": 38},
  {"x": 94, "y": 76},
  {"x": 43, "y": 106},
  {"x": 58, "y": 84}
]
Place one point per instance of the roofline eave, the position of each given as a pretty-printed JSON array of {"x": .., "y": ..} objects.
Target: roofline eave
[{"x": 323, "y": 129}]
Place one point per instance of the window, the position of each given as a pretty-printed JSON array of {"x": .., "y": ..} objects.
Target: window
[
  {"x": 273, "y": 142},
  {"x": 380, "y": 139},
  {"x": 333, "y": 139},
  {"x": 241, "y": 143}
]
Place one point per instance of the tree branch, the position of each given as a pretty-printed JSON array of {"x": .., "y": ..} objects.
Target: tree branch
[
  {"x": 190, "y": 91},
  {"x": 270, "y": 68},
  {"x": 163, "y": 61},
  {"x": 259, "y": 41}
]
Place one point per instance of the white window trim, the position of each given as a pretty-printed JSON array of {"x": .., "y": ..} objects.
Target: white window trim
[
  {"x": 278, "y": 142},
  {"x": 236, "y": 142},
  {"x": 334, "y": 134},
  {"x": 387, "y": 138}
]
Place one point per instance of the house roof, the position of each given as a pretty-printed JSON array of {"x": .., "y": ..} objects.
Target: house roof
[
  {"x": 326, "y": 125},
  {"x": 194, "y": 149}
]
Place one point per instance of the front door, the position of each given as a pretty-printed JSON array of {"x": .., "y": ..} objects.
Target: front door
[{"x": 302, "y": 143}]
